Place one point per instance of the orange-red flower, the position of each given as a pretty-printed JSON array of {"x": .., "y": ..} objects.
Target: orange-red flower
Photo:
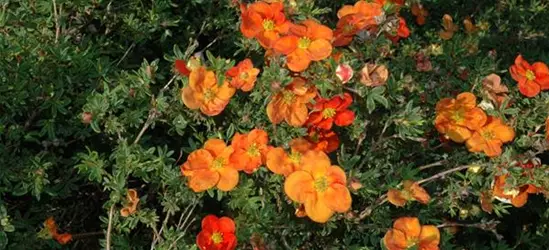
[
  {"x": 531, "y": 78},
  {"x": 243, "y": 75},
  {"x": 490, "y": 137},
  {"x": 517, "y": 196},
  {"x": 325, "y": 112},
  {"x": 265, "y": 22},
  {"x": 283, "y": 163},
  {"x": 217, "y": 234},
  {"x": 211, "y": 167},
  {"x": 131, "y": 203},
  {"x": 290, "y": 104},
  {"x": 458, "y": 118},
  {"x": 309, "y": 41},
  {"x": 51, "y": 226},
  {"x": 402, "y": 32},
  {"x": 407, "y": 233},
  {"x": 411, "y": 191},
  {"x": 353, "y": 19},
  {"x": 203, "y": 92},
  {"x": 321, "y": 187},
  {"x": 250, "y": 150},
  {"x": 420, "y": 13},
  {"x": 323, "y": 140},
  {"x": 363, "y": 8},
  {"x": 184, "y": 68}
]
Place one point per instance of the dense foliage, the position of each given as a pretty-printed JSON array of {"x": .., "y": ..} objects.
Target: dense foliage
[{"x": 434, "y": 109}]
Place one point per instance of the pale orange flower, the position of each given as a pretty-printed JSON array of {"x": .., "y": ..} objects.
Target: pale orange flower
[
  {"x": 203, "y": 92},
  {"x": 309, "y": 41},
  {"x": 265, "y": 22},
  {"x": 449, "y": 28},
  {"x": 373, "y": 75},
  {"x": 411, "y": 191},
  {"x": 319, "y": 186},
  {"x": 283, "y": 163},
  {"x": 490, "y": 137},
  {"x": 408, "y": 233},
  {"x": 131, "y": 203},
  {"x": 290, "y": 104},
  {"x": 243, "y": 75},
  {"x": 211, "y": 167},
  {"x": 250, "y": 150},
  {"x": 494, "y": 89},
  {"x": 517, "y": 196},
  {"x": 458, "y": 118}
]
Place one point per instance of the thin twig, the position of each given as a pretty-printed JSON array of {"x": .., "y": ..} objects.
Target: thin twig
[
  {"x": 125, "y": 54},
  {"x": 442, "y": 174},
  {"x": 159, "y": 234},
  {"x": 434, "y": 164},
  {"x": 109, "y": 228},
  {"x": 489, "y": 226},
  {"x": 56, "y": 17}
]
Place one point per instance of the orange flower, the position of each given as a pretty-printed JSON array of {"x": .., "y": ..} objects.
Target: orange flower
[
  {"x": 211, "y": 166},
  {"x": 458, "y": 118},
  {"x": 290, "y": 104},
  {"x": 280, "y": 162},
  {"x": 363, "y": 8},
  {"x": 328, "y": 111},
  {"x": 203, "y": 92},
  {"x": 402, "y": 32},
  {"x": 265, "y": 22},
  {"x": 307, "y": 42},
  {"x": 407, "y": 233},
  {"x": 321, "y": 187},
  {"x": 531, "y": 78},
  {"x": 217, "y": 234},
  {"x": 250, "y": 150},
  {"x": 491, "y": 137},
  {"x": 184, "y": 68},
  {"x": 63, "y": 239},
  {"x": 412, "y": 191},
  {"x": 51, "y": 226},
  {"x": 243, "y": 75},
  {"x": 132, "y": 200},
  {"x": 449, "y": 28},
  {"x": 470, "y": 28},
  {"x": 517, "y": 196},
  {"x": 323, "y": 140},
  {"x": 420, "y": 13}
]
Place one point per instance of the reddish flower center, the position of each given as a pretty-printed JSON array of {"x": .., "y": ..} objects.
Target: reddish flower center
[
  {"x": 209, "y": 94},
  {"x": 530, "y": 75},
  {"x": 217, "y": 237},
  {"x": 328, "y": 113},
  {"x": 218, "y": 163},
  {"x": 321, "y": 184},
  {"x": 288, "y": 96},
  {"x": 303, "y": 43},
  {"x": 268, "y": 25},
  {"x": 253, "y": 150},
  {"x": 295, "y": 157}
]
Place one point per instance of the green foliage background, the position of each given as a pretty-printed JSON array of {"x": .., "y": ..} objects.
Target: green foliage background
[{"x": 113, "y": 59}]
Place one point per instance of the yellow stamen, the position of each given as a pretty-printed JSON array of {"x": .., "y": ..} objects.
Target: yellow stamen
[
  {"x": 218, "y": 163},
  {"x": 458, "y": 116},
  {"x": 295, "y": 157},
  {"x": 209, "y": 95},
  {"x": 243, "y": 75},
  {"x": 288, "y": 97},
  {"x": 321, "y": 184},
  {"x": 328, "y": 113},
  {"x": 253, "y": 150},
  {"x": 268, "y": 25},
  {"x": 304, "y": 43},
  {"x": 488, "y": 135},
  {"x": 217, "y": 237},
  {"x": 530, "y": 75}
]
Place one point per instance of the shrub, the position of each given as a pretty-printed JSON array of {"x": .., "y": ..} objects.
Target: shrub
[{"x": 274, "y": 124}]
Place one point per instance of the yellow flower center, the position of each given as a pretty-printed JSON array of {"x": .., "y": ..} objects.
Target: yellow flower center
[
  {"x": 304, "y": 43},
  {"x": 406, "y": 194},
  {"x": 328, "y": 113},
  {"x": 348, "y": 29},
  {"x": 268, "y": 25},
  {"x": 513, "y": 192},
  {"x": 412, "y": 242},
  {"x": 530, "y": 75},
  {"x": 218, "y": 163},
  {"x": 209, "y": 95},
  {"x": 458, "y": 116},
  {"x": 321, "y": 184},
  {"x": 253, "y": 150},
  {"x": 288, "y": 96},
  {"x": 295, "y": 157},
  {"x": 243, "y": 75},
  {"x": 217, "y": 237},
  {"x": 488, "y": 135}
]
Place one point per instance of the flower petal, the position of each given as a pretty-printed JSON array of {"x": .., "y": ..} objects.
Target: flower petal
[
  {"x": 226, "y": 225},
  {"x": 215, "y": 146},
  {"x": 344, "y": 118},
  {"x": 210, "y": 223},
  {"x": 338, "y": 198},
  {"x": 203, "y": 180},
  {"x": 277, "y": 161},
  {"x": 529, "y": 88},
  {"x": 286, "y": 45},
  {"x": 187, "y": 95},
  {"x": 299, "y": 186},
  {"x": 395, "y": 240},
  {"x": 315, "y": 161},
  {"x": 228, "y": 179},
  {"x": 409, "y": 225},
  {"x": 298, "y": 60},
  {"x": 199, "y": 159},
  {"x": 317, "y": 209},
  {"x": 394, "y": 196},
  {"x": 429, "y": 237},
  {"x": 319, "y": 49}
]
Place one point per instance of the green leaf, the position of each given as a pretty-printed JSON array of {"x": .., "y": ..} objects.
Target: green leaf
[{"x": 3, "y": 240}]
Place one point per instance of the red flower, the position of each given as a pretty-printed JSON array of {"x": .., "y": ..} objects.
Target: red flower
[
  {"x": 216, "y": 234},
  {"x": 323, "y": 140},
  {"x": 402, "y": 31},
  {"x": 329, "y": 111},
  {"x": 181, "y": 67},
  {"x": 531, "y": 79}
]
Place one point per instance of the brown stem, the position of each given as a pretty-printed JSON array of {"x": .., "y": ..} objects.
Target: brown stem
[
  {"x": 109, "y": 228},
  {"x": 489, "y": 226},
  {"x": 434, "y": 164},
  {"x": 442, "y": 174}
]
